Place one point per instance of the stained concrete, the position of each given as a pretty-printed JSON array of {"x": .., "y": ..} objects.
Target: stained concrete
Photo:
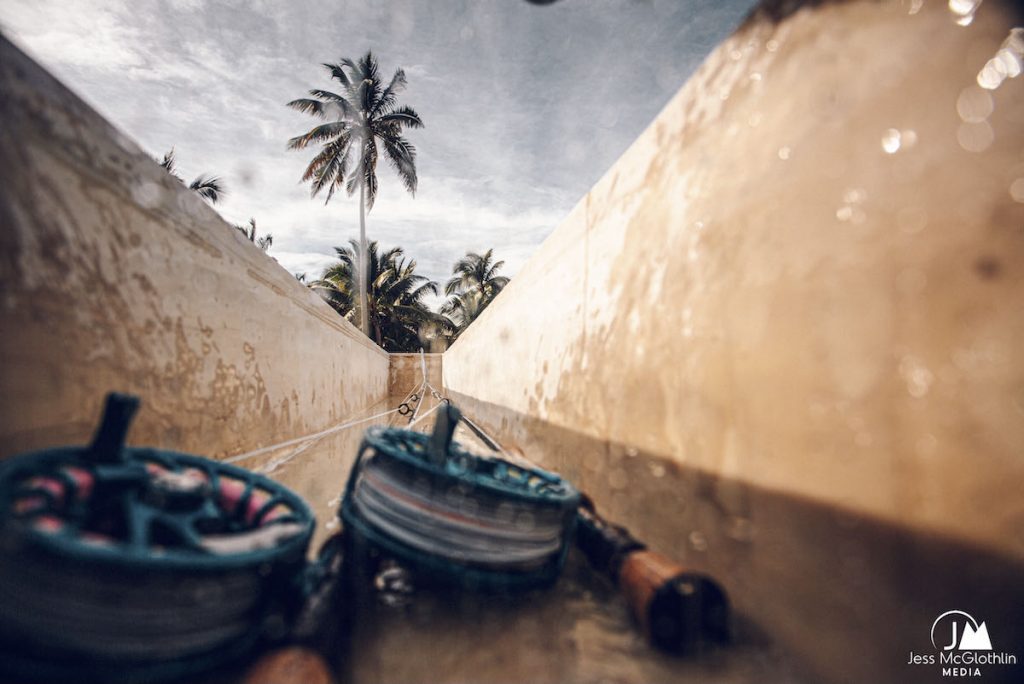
[
  {"x": 117, "y": 277},
  {"x": 819, "y": 592},
  {"x": 805, "y": 275},
  {"x": 406, "y": 373},
  {"x": 786, "y": 342}
]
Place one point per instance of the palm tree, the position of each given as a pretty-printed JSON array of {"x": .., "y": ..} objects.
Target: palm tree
[
  {"x": 477, "y": 272},
  {"x": 209, "y": 187},
  {"x": 396, "y": 301},
  {"x": 462, "y": 309},
  {"x": 473, "y": 286},
  {"x": 263, "y": 243},
  {"x": 364, "y": 115}
]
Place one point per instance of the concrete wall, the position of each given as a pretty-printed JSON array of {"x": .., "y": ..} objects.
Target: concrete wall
[
  {"x": 805, "y": 275},
  {"x": 407, "y": 373},
  {"x": 781, "y": 339},
  {"x": 116, "y": 277}
]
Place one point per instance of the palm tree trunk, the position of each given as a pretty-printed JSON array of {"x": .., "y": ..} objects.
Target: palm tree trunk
[{"x": 364, "y": 321}]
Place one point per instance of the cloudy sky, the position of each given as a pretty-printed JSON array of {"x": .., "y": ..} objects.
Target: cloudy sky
[{"x": 525, "y": 106}]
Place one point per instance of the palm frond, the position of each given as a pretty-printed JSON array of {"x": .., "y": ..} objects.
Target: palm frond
[
  {"x": 168, "y": 163},
  {"x": 403, "y": 116},
  {"x": 402, "y": 156},
  {"x": 325, "y": 131},
  {"x": 209, "y": 187},
  {"x": 389, "y": 97},
  {"x": 308, "y": 106}
]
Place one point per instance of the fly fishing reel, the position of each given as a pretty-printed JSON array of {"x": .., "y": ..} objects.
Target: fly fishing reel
[
  {"x": 456, "y": 516},
  {"x": 141, "y": 564}
]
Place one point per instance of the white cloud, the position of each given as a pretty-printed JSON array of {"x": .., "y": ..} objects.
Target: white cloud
[{"x": 525, "y": 107}]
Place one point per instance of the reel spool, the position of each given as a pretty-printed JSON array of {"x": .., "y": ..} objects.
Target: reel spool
[
  {"x": 457, "y": 517},
  {"x": 122, "y": 563}
]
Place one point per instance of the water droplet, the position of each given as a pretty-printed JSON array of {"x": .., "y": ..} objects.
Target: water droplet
[
  {"x": 916, "y": 375},
  {"x": 963, "y": 10},
  {"x": 631, "y": 452},
  {"x": 974, "y": 104},
  {"x": 991, "y": 75},
  {"x": 1017, "y": 190},
  {"x": 975, "y": 137},
  {"x": 657, "y": 469},
  {"x": 698, "y": 541},
  {"x": 891, "y": 141},
  {"x": 844, "y": 213},
  {"x": 331, "y": 524},
  {"x": 755, "y": 76},
  {"x": 772, "y": 45},
  {"x": 784, "y": 153},
  {"x": 908, "y": 138},
  {"x": 1010, "y": 61},
  {"x": 854, "y": 195},
  {"x": 147, "y": 194},
  {"x": 740, "y": 529},
  {"x": 735, "y": 55},
  {"x": 1007, "y": 62},
  {"x": 915, "y": 6}
]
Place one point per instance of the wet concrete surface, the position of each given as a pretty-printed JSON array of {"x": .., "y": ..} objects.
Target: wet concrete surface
[
  {"x": 826, "y": 594},
  {"x": 579, "y": 630},
  {"x": 867, "y": 590}
]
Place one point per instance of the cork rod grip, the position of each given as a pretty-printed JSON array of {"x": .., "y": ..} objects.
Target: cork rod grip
[{"x": 290, "y": 665}]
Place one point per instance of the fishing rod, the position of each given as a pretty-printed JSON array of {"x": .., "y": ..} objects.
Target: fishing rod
[
  {"x": 679, "y": 610},
  {"x": 206, "y": 562}
]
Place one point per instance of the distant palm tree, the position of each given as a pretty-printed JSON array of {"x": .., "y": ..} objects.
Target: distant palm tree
[
  {"x": 477, "y": 272},
  {"x": 363, "y": 115},
  {"x": 209, "y": 187},
  {"x": 462, "y": 309},
  {"x": 263, "y": 243},
  {"x": 473, "y": 286},
  {"x": 397, "y": 308}
]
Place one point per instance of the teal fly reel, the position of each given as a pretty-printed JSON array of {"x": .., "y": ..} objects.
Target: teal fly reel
[
  {"x": 137, "y": 564},
  {"x": 455, "y": 516}
]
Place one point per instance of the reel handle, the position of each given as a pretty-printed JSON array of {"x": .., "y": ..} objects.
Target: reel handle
[
  {"x": 112, "y": 433},
  {"x": 677, "y": 609},
  {"x": 448, "y": 418}
]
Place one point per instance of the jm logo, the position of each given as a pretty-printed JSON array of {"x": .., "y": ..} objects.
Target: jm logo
[{"x": 970, "y": 637}]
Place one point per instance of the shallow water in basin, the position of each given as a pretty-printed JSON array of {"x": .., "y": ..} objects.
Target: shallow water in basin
[{"x": 578, "y": 630}]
